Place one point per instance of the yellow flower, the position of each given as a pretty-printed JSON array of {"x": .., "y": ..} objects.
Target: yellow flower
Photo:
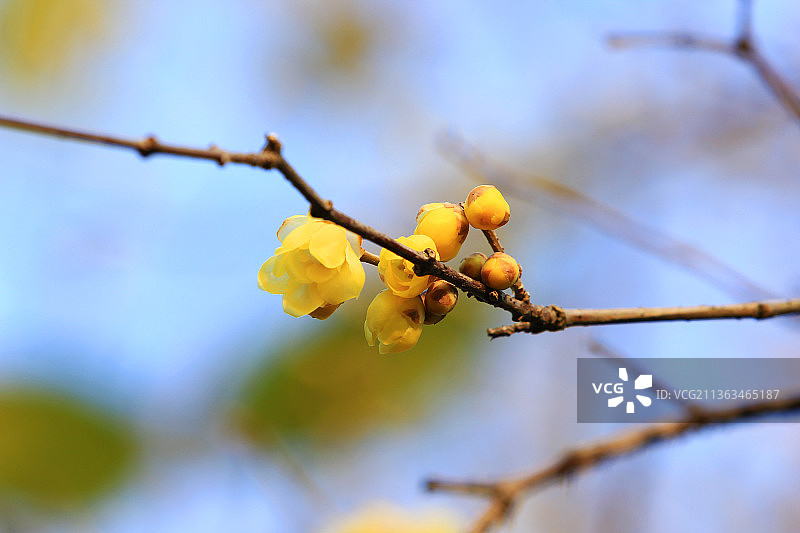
[
  {"x": 387, "y": 518},
  {"x": 316, "y": 268},
  {"x": 394, "y": 322},
  {"x": 446, "y": 224},
  {"x": 398, "y": 273},
  {"x": 486, "y": 208}
]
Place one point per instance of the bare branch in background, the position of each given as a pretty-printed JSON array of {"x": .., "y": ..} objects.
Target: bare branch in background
[
  {"x": 743, "y": 46},
  {"x": 505, "y": 494},
  {"x": 560, "y": 198},
  {"x": 601, "y": 349}
]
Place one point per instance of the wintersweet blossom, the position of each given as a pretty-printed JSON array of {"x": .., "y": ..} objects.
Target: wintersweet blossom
[
  {"x": 382, "y": 517},
  {"x": 394, "y": 322},
  {"x": 316, "y": 268},
  {"x": 446, "y": 224},
  {"x": 398, "y": 273}
]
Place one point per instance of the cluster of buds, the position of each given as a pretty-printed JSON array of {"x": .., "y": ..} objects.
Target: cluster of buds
[
  {"x": 396, "y": 316},
  {"x": 318, "y": 267}
]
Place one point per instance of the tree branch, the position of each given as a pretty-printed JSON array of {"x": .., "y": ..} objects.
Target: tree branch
[
  {"x": 533, "y": 318},
  {"x": 271, "y": 158},
  {"x": 504, "y": 494},
  {"x": 370, "y": 258},
  {"x": 625, "y": 315},
  {"x": 743, "y": 47}
]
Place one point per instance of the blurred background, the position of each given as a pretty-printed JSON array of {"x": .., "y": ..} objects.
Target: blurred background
[{"x": 147, "y": 384}]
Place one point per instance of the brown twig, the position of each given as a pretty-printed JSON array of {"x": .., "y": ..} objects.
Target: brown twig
[
  {"x": 625, "y": 315},
  {"x": 743, "y": 47},
  {"x": 534, "y": 318},
  {"x": 369, "y": 258},
  {"x": 519, "y": 289},
  {"x": 504, "y": 494},
  {"x": 271, "y": 158}
]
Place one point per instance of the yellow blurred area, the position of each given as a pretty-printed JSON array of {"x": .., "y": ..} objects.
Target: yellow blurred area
[
  {"x": 42, "y": 39},
  {"x": 382, "y": 517},
  {"x": 58, "y": 452}
]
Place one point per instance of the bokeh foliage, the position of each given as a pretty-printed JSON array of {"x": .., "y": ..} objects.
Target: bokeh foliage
[
  {"x": 58, "y": 452},
  {"x": 331, "y": 386}
]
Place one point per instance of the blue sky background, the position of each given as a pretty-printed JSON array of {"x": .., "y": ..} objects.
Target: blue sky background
[{"x": 131, "y": 283}]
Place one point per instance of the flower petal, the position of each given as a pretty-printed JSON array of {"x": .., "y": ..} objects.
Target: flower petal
[
  {"x": 295, "y": 264},
  {"x": 268, "y": 280},
  {"x": 347, "y": 283},
  {"x": 368, "y": 333},
  {"x": 299, "y": 237},
  {"x": 318, "y": 273},
  {"x": 300, "y": 299},
  {"x": 328, "y": 245},
  {"x": 290, "y": 224},
  {"x": 356, "y": 241}
]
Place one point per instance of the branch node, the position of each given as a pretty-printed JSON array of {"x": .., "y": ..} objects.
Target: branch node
[
  {"x": 273, "y": 144},
  {"x": 321, "y": 210},
  {"x": 549, "y": 318},
  {"x": 148, "y": 146},
  {"x": 222, "y": 157},
  {"x": 425, "y": 268},
  {"x": 743, "y": 46}
]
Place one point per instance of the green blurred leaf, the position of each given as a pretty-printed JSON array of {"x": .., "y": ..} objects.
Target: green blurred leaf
[
  {"x": 58, "y": 452},
  {"x": 331, "y": 386}
]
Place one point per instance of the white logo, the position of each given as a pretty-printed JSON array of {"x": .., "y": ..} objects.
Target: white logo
[{"x": 644, "y": 381}]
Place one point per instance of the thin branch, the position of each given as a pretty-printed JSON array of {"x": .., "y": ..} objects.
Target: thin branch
[
  {"x": 534, "y": 318},
  {"x": 743, "y": 47},
  {"x": 625, "y": 315},
  {"x": 147, "y": 146},
  {"x": 369, "y": 258},
  {"x": 271, "y": 158},
  {"x": 519, "y": 289},
  {"x": 601, "y": 349},
  {"x": 744, "y": 20},
  {"x": 504, "y": 494},
  {"x": 670, "y": 40}
]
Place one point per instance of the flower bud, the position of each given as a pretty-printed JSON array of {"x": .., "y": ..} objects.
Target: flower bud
[
  {"x": 394, "y": 322},
  {"x": 472, "y": 264},
  {"x": 486, "y": 208},
  {"x": 440, "y": 298},
  {"x": 500, "y": 271},
  {"x": 446, "y": 224}
]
